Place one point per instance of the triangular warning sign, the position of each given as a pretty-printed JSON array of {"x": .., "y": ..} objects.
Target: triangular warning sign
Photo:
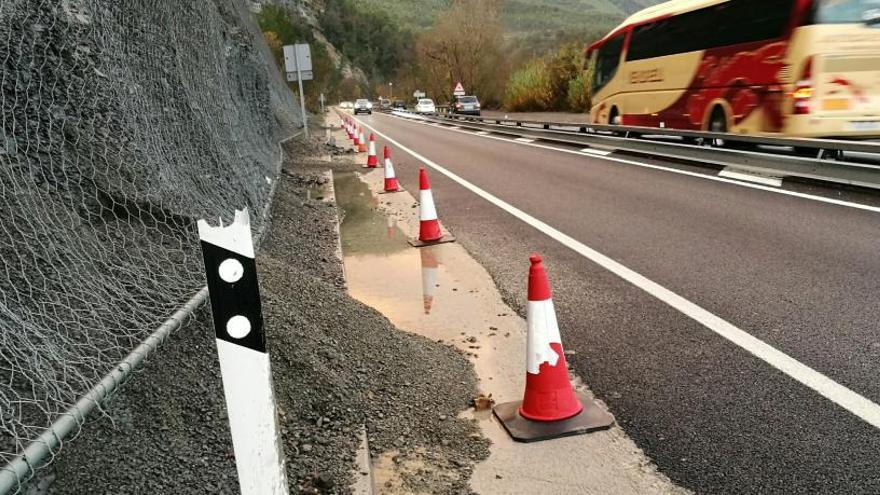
[{"x": 459, "y": 88}]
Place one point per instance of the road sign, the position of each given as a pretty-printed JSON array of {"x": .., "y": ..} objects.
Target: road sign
[
  {"x": 419, "y": 94},
  {"x": 307, "y": 75},
  {"x": 298, "y": 66},
  {"x": 459, "y": 90},
  {"x": 297, "y": 53}
]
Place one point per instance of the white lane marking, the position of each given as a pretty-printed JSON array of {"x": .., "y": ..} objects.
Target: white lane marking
[
  {"x": 824, "y": 386},
  {"x": 733, "y": 173},
  {"x": 524, "y": 140},
  {"x": 594, "y": 151},
  {"x": 480, "y": 133},
  {"x": 697, "y": 175}
]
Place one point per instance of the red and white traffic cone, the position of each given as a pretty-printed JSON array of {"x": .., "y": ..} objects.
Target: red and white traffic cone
[
  {"x": 354, "y": 136},
  {"x": 390, "y": 179},
  {"x": 429, "y": 278},
  {"x": 429, "y": 226},
  {"x": 372, "y": 162},
  {"x": 550, "y": 407},
  {"x": 362, "y": 143}
]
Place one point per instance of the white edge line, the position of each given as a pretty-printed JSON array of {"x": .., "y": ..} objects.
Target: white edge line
[
  {"x": 715, "y": 178},
  {"x": 823, "y": 385},
  {"x": 758, "y": 179},
  {"x": 593, "y": 151}
]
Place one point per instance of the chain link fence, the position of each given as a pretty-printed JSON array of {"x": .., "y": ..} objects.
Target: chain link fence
[{"x": 122, "y": 123}]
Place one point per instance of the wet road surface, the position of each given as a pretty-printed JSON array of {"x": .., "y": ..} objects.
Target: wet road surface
[{"x": 800, "y": 275}]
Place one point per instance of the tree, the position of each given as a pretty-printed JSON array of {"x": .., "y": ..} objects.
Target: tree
[{"x": 464, "y": 45}]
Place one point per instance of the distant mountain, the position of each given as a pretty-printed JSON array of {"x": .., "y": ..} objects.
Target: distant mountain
[{"x": 533, "y": 25}]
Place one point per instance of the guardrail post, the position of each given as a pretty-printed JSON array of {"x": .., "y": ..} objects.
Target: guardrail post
[{"x": 231, "y": 271}]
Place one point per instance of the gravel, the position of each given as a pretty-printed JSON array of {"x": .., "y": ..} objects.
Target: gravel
[{"x": 337, "y": 365}]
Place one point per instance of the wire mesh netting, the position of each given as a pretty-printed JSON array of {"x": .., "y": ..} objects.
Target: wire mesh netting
[{"x": 122, "y": 123}]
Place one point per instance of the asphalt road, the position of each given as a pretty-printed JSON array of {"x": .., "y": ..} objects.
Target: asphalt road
[{"x": 800, "y": 275}]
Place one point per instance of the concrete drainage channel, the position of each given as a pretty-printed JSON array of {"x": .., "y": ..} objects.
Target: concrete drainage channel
[{"x": 440, "y": 292}]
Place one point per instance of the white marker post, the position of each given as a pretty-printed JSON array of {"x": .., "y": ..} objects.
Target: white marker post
[{"x": 231, "y": 271}]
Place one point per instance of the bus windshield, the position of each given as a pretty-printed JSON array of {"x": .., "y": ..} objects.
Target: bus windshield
[{"x": 846, "y": 11}]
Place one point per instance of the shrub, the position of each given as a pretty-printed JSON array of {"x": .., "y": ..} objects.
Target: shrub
[
  {"x": 578, "y": 93},
  {"x": 529, "y": 88}
]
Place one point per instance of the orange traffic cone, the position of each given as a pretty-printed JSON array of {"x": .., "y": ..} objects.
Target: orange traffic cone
[
  {"x": 372, "y": 162},
  {"x": 550, "y": 407},
  {"x": 354, "y": 136},
  {"x": 390, "y": 179},
  {"x": 362, "y": 144},
  {"x": 429, "y": 226}
]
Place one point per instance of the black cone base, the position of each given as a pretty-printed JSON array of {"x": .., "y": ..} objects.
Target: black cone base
[
  {"x": 417, "y": 243},
  {"x": 399, "y": 189},
  {"x": 591, "y": 418}
]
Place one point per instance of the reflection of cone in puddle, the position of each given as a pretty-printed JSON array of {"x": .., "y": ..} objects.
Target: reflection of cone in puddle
[
  {"x": 372, "y": 162},
  {"x": 389, "y": 227},
  {"x": 429, "y": 278},
  {"x": 550, "y": 407}
]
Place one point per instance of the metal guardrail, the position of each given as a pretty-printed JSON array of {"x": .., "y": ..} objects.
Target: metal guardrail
[
  {"x": 584, "y": 127},
  {"x": 759, "y": 161}
]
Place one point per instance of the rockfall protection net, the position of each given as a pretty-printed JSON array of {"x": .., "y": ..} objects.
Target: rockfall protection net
[{"x": 122, "y": 123}]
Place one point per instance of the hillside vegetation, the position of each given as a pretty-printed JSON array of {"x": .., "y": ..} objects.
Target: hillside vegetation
[
  {"x": 534, "y": 26},
  {"x": 517, "y": 54}
]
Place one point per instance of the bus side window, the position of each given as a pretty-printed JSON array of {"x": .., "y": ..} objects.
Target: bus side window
[
  {"x": 725, "y": 24},
  {"x": 607, "y": 61}
]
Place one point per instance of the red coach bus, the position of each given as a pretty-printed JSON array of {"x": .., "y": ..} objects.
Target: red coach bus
[{"x": 808, "y": 68}]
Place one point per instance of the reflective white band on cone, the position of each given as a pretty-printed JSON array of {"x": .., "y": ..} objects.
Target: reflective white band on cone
[
  {"x": 427, "y": 211},
  {"x": 389, "y": 169},
  {"x": 543, "y": 331}
]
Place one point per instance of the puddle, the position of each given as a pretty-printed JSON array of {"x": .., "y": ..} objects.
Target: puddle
[
  {"x": 364, "y": 230},
  {"x": 442, "y": 293}
]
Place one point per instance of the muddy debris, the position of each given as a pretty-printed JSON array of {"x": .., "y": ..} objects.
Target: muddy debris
[{"x": 483, "y": 402}]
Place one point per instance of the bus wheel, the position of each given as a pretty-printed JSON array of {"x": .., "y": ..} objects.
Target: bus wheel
[
  {"x": 614, "y": 119},
  {"x": 718, "y": 123}
]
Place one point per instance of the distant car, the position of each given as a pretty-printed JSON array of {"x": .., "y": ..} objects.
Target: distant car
[
  {"x": 398, "y": 105},
  {"x": 466, "y": 105},
  {"x": 363, "y": 106},
  {"x": 426, "y": 106},
  {"x": 384, "y": 104}
]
